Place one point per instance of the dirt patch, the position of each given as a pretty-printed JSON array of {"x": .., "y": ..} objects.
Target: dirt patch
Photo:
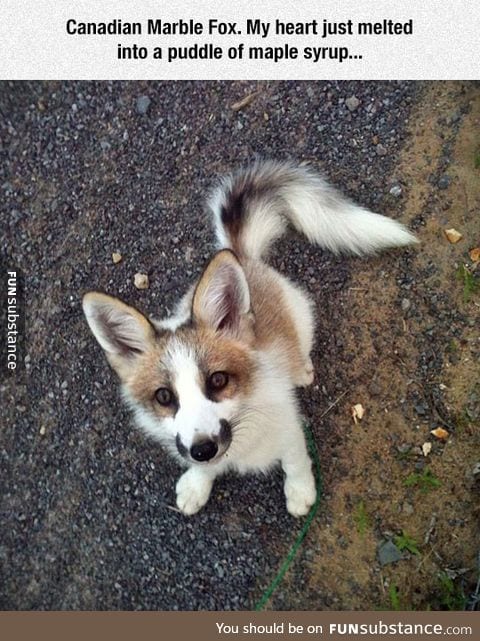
[{"x": 411, "y": 343}]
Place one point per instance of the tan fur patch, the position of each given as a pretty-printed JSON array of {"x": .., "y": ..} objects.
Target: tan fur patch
[
  {"x": 146, "y": 376},
  {"x": 219, "y": 353},
  {"x": 273, "y": 321}
]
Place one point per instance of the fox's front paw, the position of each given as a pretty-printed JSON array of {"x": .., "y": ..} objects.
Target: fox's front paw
[
  {"x": 301, "y": 494},
  {"x": 306, "y": 376},
  {"x": 193, "y": 490}
]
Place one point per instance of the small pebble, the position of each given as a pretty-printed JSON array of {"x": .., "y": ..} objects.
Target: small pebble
[
  {"x": 387, "y": 552},
  {"x": 141, "y": 281},
  {"x": 408, "y": 509},
  {"x": 420, "y": 408},
  {"x": 143, "y": 103},
  {"x": 444, "y": 182},
  {"x": 381, "y": 150},
  {"x": 352, "y": 103}
]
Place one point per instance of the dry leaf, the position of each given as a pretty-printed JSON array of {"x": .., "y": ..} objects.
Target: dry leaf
[
  {"x": 453, "y": 235},
  {"x": 116, "y": 257},
  {"x": 426, "y": 448},
  {"x": 475, "y": 254},
  {"x": 357, "y": 412},
  {"x": 440, "y": 433},
  {"x": 141, "y": 281},
  {"x": 244, "y": 102}
]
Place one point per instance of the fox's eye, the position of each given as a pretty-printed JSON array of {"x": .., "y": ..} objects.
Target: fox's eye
[
  {"x": 218, "y": 380},
  {"x": 164, "y": 396}
]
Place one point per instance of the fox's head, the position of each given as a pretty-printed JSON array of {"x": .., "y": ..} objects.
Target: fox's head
[{"x": 187, "y": 380}]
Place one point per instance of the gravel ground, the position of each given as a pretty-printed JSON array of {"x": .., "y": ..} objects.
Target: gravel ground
[{"x": 88, "y": 169}]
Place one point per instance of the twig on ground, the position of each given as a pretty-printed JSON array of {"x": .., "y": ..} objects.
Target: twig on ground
[{"x": 333, "y": 404}]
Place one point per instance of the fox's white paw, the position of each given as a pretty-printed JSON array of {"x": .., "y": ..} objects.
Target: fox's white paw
[
  {"x": 193, "y": 491},
  {"x": 300, "y": 493},
  {"x": 306, "y": 377}
]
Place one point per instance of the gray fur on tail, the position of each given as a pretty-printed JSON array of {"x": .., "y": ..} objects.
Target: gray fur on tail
[{"x": 253, "y": 207}]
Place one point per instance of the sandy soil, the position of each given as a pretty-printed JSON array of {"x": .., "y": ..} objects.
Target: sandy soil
[{"x": 411, "y": 358}]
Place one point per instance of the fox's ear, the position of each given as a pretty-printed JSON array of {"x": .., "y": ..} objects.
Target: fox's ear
[
  {"x": 122, "y": 331},
  {"x": 222, "y": 298}
]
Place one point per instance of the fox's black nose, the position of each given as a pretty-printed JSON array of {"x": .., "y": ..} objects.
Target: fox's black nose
[{"x": 203, "y": 451}]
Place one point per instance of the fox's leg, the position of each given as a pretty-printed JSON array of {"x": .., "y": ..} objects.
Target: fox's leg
[
  {"x": 305, "y": 377},
  {"x": 300, "y": 490},
  {"x": 193, "y": 489}
]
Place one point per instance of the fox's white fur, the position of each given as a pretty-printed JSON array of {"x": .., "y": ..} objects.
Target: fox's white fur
[
  {"x": 239, "y": 343},
  {"x": 304, "y": 199}
]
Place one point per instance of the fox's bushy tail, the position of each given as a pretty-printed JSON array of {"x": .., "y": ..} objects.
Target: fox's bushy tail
[{"x": 252, "y": 208}]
